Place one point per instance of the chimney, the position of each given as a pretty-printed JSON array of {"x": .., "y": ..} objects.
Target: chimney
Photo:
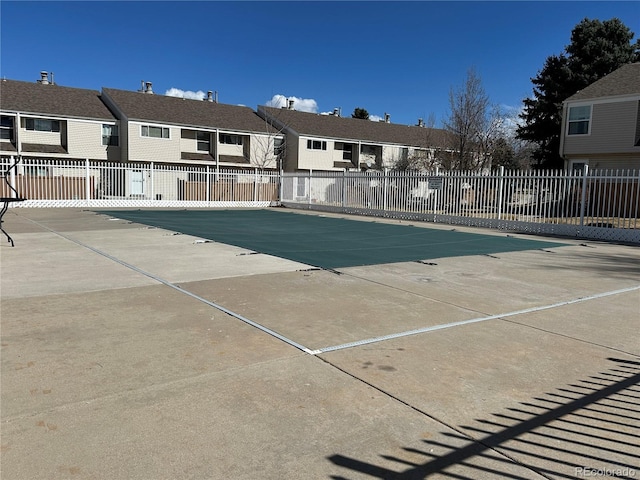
[
  {"x": 387, "y": 118},
  {"x": 44, "y": 78},
  {"x": 209, "y": 96},
  {"x": 291, "y": 104},
  {"x": 147, "y": 88},
  {"x": 420, "y": 122}
]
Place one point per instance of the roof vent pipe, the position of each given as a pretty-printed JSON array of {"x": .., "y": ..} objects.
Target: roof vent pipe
[
  {"x": 209, "y": 96},
  {"x": 52, "y": 83},
  {"x": 147, "y": 88},
  {"x": 420, "y": 122},
  {"x": 44, "y": 78},
  {"x": 291, "y": 104},
  {"x": 387, "y": 118}
]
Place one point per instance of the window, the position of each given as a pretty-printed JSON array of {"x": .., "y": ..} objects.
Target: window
[
  {"x": 204, "y": 141},
  {"x": 579, "y": 118},
  {"x": 42, "y": 125},
  {"x": 316, "y": 145},
  {"x": 154, "y": 132},
  {"x": 230, "y": 139},
  {"x": 110, "y": 135},
  {"x": 347, "y": 150},
  {"x": 6, "y": 128},
  {"x": 278, "y": 146}
]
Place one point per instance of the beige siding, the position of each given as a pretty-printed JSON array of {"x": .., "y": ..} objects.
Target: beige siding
[
  {"x": 391, "y": 155},
  {"x": 43, "y": 138},
  {"x": 613, "y": 130},
  {"x": 153, "y": 149},
  {"x": 613, "y": 162},
  {"x": 261, "y": 151},
  {"x": 309, "y": 159},
  {"x": 235, "y": 150},
  {"x": 84, "y": 139}
]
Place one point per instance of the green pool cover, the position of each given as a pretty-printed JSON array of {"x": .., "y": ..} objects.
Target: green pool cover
[{"x": 326, "y": 242}]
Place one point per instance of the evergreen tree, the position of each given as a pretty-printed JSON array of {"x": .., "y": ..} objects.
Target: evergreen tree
[
  {"x": 597, "y": 48},
  {"x": 360, "y": 113}
]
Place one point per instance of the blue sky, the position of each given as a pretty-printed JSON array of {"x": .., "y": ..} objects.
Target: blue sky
[{"x": 400, "y": 58}]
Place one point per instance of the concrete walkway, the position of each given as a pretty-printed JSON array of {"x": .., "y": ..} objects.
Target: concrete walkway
[{"x": 131, "y": 352}]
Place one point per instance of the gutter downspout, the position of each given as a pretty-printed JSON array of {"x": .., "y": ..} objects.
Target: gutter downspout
[{"x": 563, "y": 127}]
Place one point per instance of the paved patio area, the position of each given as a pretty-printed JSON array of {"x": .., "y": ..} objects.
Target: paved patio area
[{"x": 132, "y": 352}]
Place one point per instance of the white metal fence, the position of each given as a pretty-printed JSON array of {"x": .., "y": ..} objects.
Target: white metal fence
[
  {"x": 67, "y": 183},
  {"x": 585, "y": 204}
]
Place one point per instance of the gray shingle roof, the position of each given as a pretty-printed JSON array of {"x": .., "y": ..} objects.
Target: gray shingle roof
[
  {"x": 329, "y": 126},
  {"x": 185, "y": 112},
  {"x": 36, "y": 98},
  {"x": 623, "y": 81}
]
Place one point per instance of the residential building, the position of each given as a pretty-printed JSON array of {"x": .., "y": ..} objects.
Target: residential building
[
  {"x": 44, "y": 120},
  {"x": 163, "y": 129},
  {"x": 601, "y": 123},
  {"x": 334, "y": 143}
]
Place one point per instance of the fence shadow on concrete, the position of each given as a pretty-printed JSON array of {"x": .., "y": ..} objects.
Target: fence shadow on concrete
[{"x": 585, "y": 429}]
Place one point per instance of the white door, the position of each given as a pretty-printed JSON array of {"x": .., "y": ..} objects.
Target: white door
[{"x": 137, "y": 182}]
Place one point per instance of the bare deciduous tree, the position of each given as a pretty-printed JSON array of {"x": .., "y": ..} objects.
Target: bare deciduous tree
[{"x": 467, "y": 120}]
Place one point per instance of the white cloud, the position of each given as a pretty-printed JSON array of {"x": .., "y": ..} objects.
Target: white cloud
[
  {"x": 375, "y": 118},
  {"x": 300, "y": 104},
  {"x": 176, "y": 92}
]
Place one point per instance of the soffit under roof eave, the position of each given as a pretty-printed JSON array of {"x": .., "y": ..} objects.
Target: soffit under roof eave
[
  {"x": 25, "y": 113},
  {"x": 199, "y": 127},
  {"x": 630, "y": 97}
]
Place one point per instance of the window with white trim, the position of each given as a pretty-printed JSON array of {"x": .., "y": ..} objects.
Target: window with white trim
[
  {"x": 347, "y": 150},
  {"x": 6, "y": 127},
  {"x": 579, "y": 120},
  {"x": 278, "y": 146},
  {"x": 229, "y": 139},
  {"x": 42, "y": 124},
  {"x": 154, "y": 132},
  {"x": 204, "y": 141},
  {"x": 110, "y": 135},
  {"x": 316, "y": 145}
]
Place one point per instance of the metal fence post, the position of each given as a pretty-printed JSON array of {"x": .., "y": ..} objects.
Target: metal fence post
[
  {"x": 500, "y": 187},
  {"x": 151, "y": 181},
  {"x": 255, "y": 185},
  {"x": 87, "y": 192},
  {"x": 12, "y": 178},
  {"x": 309, "y": 196},
  {"x": 583, "y": 194},
  {"x": 385, "y": 185},
  {"x": 207, "y": 194},
  {"x": 344, "y": 188}
]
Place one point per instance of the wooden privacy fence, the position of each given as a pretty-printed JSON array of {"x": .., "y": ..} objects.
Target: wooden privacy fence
[
  {"x": 53, "y": 188},
  {"x": 226, "y": 191}
]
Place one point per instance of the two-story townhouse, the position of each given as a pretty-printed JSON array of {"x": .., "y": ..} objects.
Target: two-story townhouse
[
  {"x": 171, "y": 130},
  {"x": 334, "y": 143},
  {"x": 44, "y": 120},
  {"x": 601, "y": 123}
]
